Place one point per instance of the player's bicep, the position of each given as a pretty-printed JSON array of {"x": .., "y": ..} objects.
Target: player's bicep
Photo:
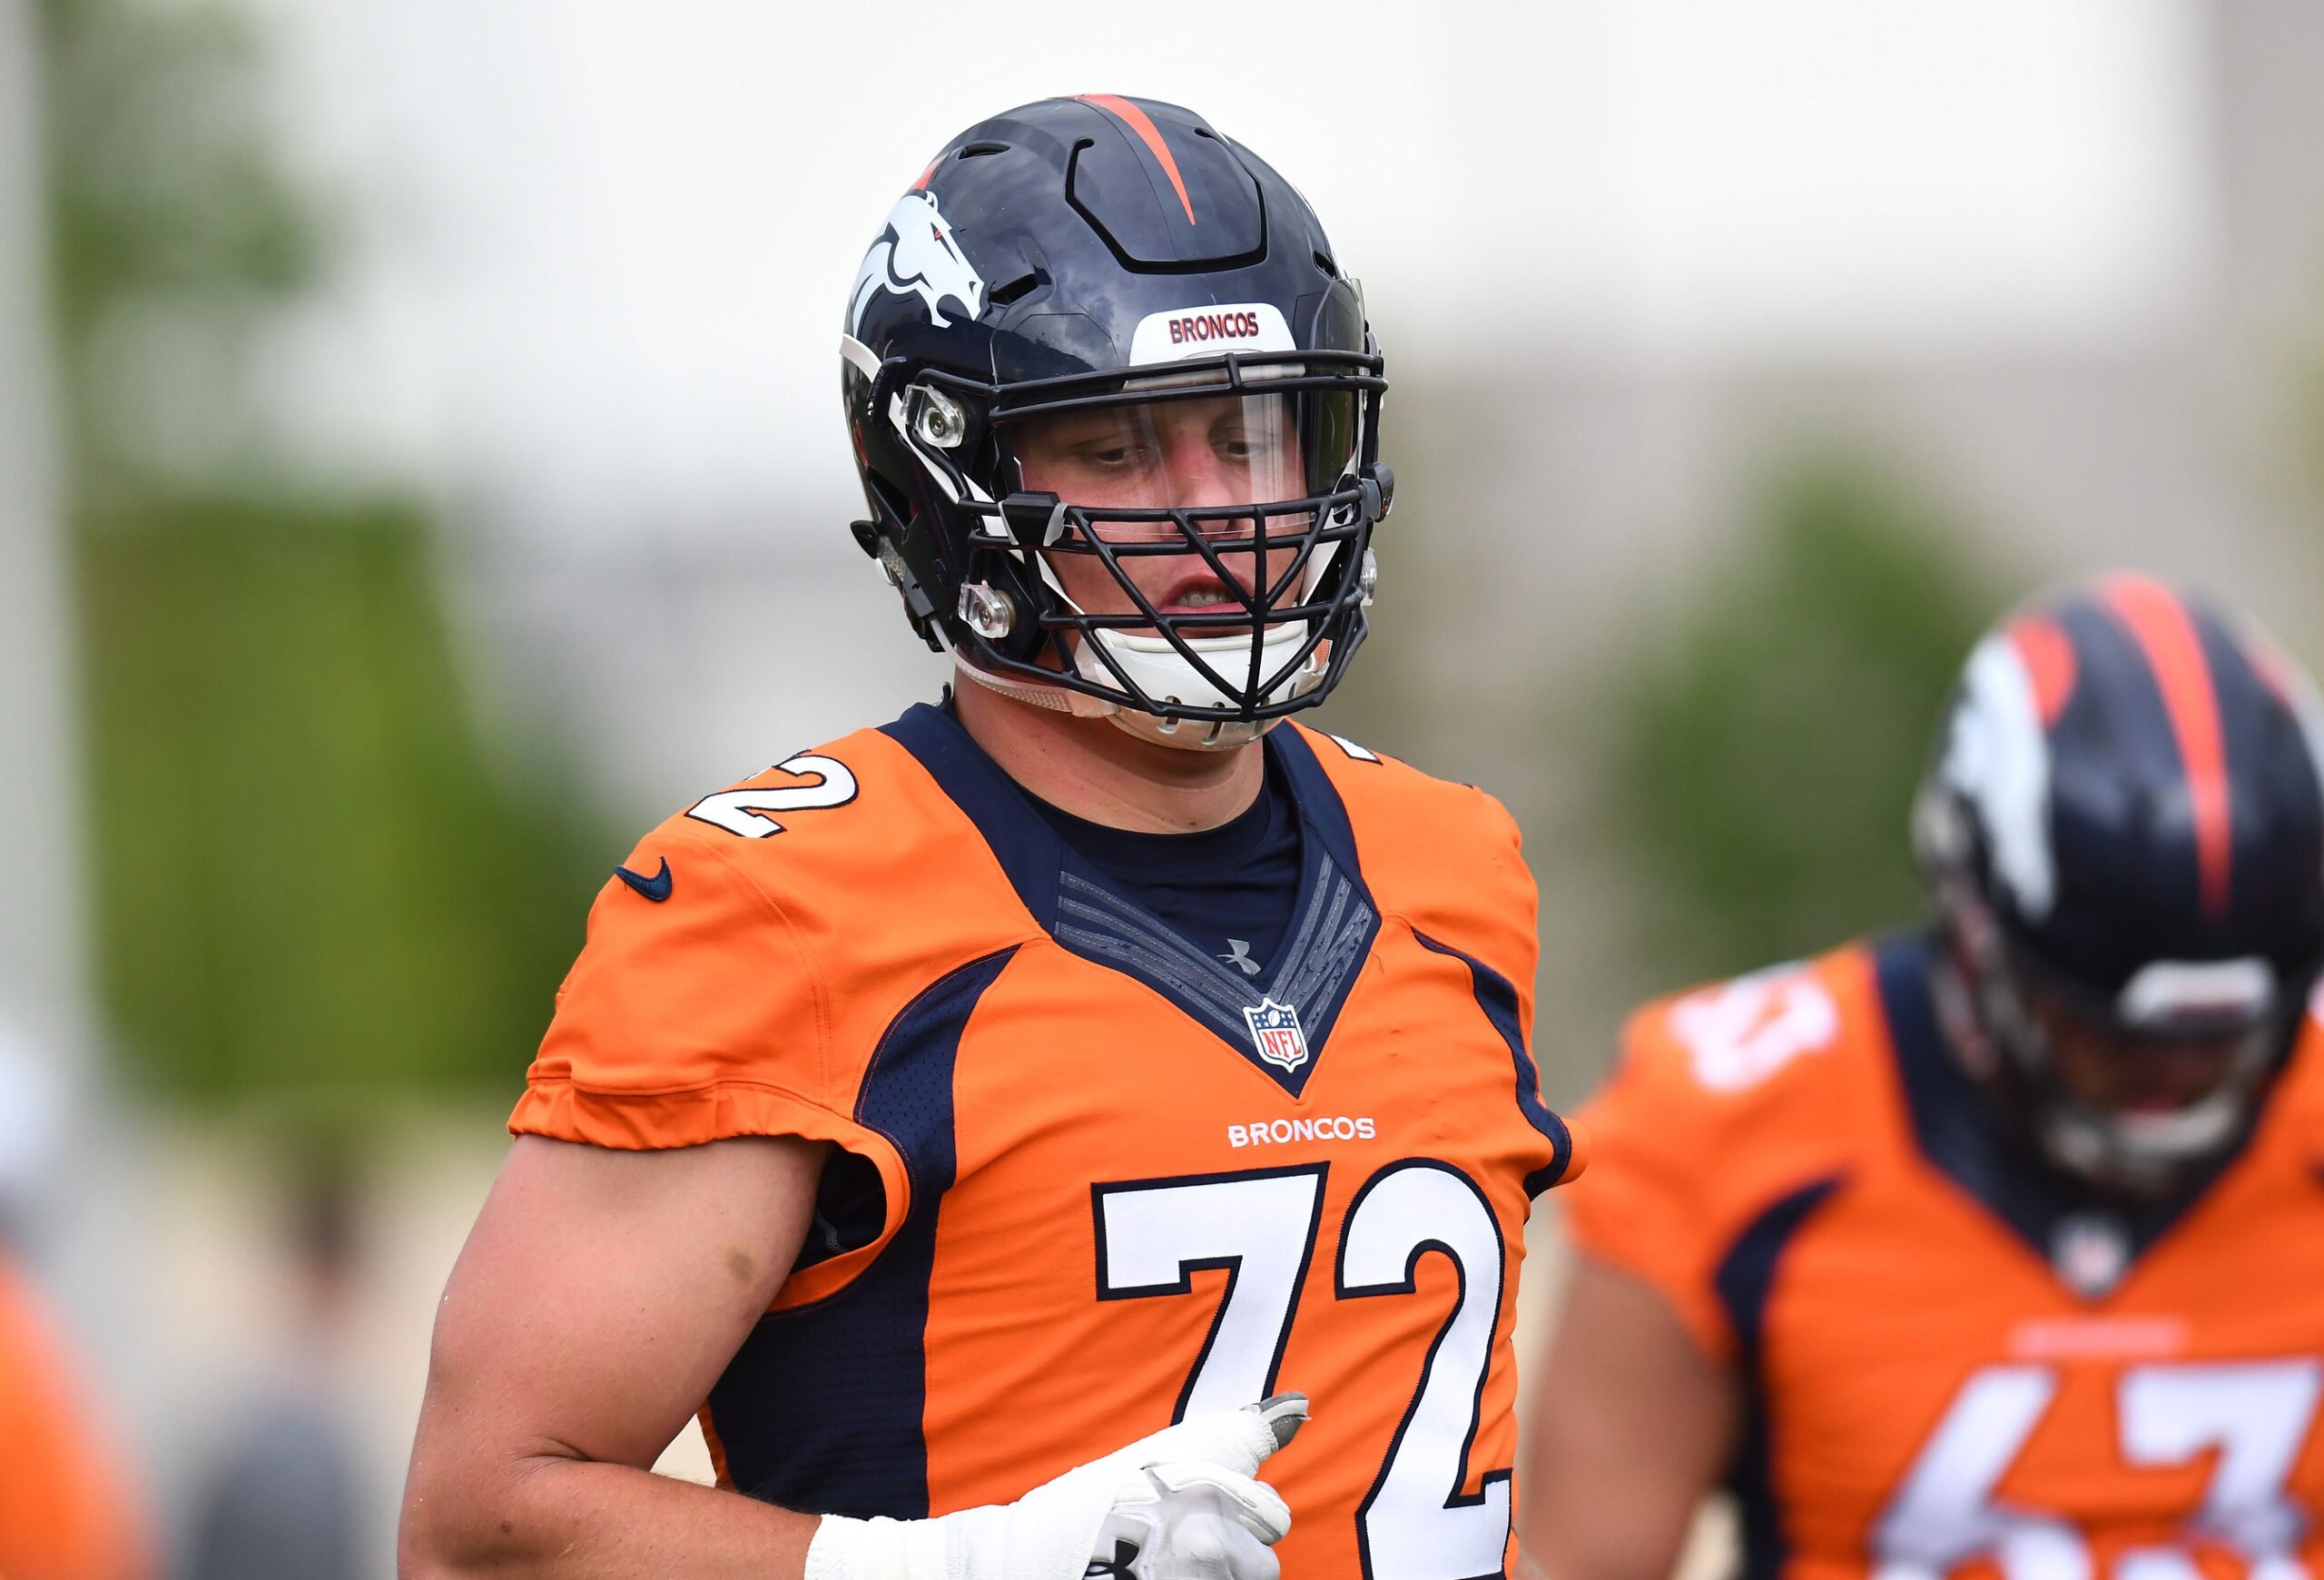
[
  {"x": 1631, "y": 1426},
  {"x": 601, "y": 1293}
]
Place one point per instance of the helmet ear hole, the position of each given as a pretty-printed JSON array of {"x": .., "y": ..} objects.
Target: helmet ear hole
[{"x": 1017, "y": 290}]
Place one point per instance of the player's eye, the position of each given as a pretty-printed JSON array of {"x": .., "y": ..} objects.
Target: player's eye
[
  {"x": 1245, "y": 443},
  {"x": 1119, "y": 455}
]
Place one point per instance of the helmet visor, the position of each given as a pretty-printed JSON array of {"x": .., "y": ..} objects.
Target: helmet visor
[{"x": 1200, "y": 452}]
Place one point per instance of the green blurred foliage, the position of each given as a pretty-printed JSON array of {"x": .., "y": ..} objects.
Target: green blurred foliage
[
  {"x": 1764, "y": 756},
  {"x": 308, "y": 880}
]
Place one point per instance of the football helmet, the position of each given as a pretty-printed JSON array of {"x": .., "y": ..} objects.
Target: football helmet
[
  {"x": 2123, "y": 829},
  {"x": 1115, "y": 408}
]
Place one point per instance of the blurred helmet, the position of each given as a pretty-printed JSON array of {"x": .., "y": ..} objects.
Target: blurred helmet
[
  {"x": 1115, "y": 408},
  {"x": 2122, "y": 826}
]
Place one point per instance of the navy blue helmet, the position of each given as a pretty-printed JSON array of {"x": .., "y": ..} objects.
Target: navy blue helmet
[
  {"x": 1071, "y": 294},
  {"x": 2122, "y": 826}
]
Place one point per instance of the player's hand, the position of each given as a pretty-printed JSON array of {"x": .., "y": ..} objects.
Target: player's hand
[{"x": 1183, "y": 1503}]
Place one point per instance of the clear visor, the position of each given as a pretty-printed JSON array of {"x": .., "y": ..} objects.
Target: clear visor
[{"x": 1205, "y": 454}]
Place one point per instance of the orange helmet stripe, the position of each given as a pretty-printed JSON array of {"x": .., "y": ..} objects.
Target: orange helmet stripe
[
  {"x": 1131, "y": 116},
  {"x": 2166, "y": 634}
]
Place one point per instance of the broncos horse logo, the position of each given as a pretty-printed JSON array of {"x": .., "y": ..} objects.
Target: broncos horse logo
[{"x": 917, "y": 252}]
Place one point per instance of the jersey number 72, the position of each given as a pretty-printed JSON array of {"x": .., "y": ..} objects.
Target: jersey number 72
[{"x": 1261, "y": 1227}]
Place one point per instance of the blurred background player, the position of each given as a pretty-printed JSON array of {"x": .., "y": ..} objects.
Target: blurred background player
[
  {"x": 65, "y": 1508},
  {"x": 946, "y": 1106},
  {"x": 280, "y": 1495},
  {"x": 1998, "y": 1246}
]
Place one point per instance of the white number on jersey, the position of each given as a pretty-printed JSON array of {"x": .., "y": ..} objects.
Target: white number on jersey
[
  {"x": 1261, "y": 1226},
  {"x": 1154, "y": 1236},
  {"x": 1742, "y": 1031},
  {"x": 2254, "y": 1414},
  {"x": 1413, "y": 1524},
  {"x": 737, "y": 811}
]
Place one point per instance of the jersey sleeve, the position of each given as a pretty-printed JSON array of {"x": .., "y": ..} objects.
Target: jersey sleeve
[
  {"x": 688, "y": 1017},
  {"x": 1721, "y": 1102}
]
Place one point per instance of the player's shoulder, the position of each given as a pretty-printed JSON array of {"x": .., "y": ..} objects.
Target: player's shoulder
[
  {"x": 1397, "y": 797},
  {"x": 1443, "y": 857},
  {"x": 1729, "y": 1101},
  {"x": 852, "y": 833},
  {"x": 1413, "y": 830},
  {"x": 2299, "y": 1094},
  {"x": 1778, "y": 1053}
]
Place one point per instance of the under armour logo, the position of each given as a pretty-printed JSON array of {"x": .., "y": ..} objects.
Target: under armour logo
[
  {"x": 1118, "y": 1566},
  {"x": 1238, "y": 955}
]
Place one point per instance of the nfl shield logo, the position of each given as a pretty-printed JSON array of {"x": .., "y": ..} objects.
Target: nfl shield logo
[
  {"x": 1275, "y": 1028},
  {"x": 2091, "y": 1251}
]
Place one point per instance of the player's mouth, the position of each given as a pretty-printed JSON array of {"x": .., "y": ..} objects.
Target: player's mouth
[
  {"x": 1200, "y": 595},
  {"x": 1200, "y": 592}
]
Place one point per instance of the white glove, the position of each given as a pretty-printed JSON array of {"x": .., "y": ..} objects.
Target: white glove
[{"x": 1180, "y": 1504}]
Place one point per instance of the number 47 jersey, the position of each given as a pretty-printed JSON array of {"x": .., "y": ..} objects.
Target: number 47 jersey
[
  {"x": 1955, "y": 1362},
  {"x": 1088, "y": 1175}
]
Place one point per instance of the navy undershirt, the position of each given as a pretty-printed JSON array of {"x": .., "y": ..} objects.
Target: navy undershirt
[{"x": 1230, "y": 890}]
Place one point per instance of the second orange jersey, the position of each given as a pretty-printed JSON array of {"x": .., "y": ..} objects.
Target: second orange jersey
[
  {"x": 1955, "y": 1362},
  {"x": 1088, "y": 1177}
]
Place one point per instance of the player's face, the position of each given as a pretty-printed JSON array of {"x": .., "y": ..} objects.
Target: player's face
[
  {"x": 1185, "y": 454},
  {"x": 2117, "y": 1073}
]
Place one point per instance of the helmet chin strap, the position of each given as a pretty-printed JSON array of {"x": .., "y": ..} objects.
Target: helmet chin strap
[{"x": 1031, "y": 692}]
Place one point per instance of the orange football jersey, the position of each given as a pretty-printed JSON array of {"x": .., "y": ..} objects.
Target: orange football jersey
[
  {"x": 1953, "y": 1360},
  {"x": 1093, "y": 1176}
]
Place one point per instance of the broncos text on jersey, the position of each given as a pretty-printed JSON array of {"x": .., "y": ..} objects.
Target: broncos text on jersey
[
  {"x": 1087, "y": 1171},
  {"x": 1951, "y": 1364}
]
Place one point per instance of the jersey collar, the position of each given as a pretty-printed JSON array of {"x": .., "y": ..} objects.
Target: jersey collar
[{"x": 1333, "y": 924}]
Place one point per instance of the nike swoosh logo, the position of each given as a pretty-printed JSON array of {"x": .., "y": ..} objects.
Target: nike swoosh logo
[{"x": 656, "y": 888}]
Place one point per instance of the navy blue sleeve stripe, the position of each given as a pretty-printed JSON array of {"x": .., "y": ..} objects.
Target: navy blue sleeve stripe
[
  {"x": 1745, "y": 1278},
  {"x": 822, "y": 1408},
  {"x": 1498, "y": 998}
]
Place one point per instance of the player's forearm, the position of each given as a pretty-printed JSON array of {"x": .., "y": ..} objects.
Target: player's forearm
[{"x": 551, "y": 1518}]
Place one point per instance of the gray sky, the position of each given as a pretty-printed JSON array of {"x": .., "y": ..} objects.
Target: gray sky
[{"x": 600, "y": 249}]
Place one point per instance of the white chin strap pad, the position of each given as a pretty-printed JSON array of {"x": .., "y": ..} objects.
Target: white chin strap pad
[{"x": 1163, "y": 673}]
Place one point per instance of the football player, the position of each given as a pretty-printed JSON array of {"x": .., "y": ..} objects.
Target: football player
[
  {"x": 1996, "y": 1248},
  {"x": 986, "y": 1121}
]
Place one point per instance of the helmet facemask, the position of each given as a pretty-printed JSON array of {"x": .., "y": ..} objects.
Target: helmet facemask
[
  {"x": 2132, "y": 1095},
  {"x": 1187, "y": 549}
]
